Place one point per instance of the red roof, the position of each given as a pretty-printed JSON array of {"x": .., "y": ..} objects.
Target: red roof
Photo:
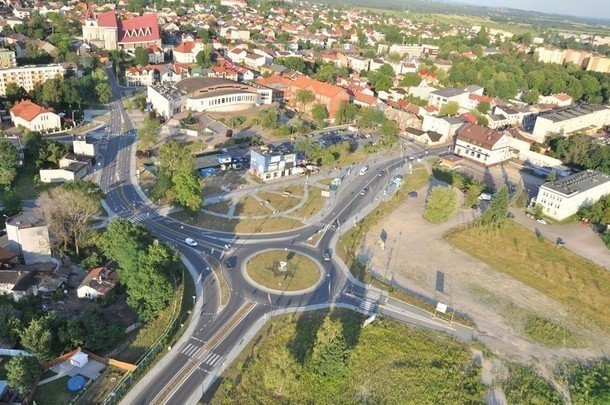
[
  {"x": 428, "y": 74},
  {"x": 139, "y": 29},
  {"x": 107, "y": 19},
  {"x": 469, "y": 117},
  {"x": 185, "y": 47},
  {"x": 479, "y": 135},
  {"x": 480, "y": 99},
  {"x": 364, "y": 98},
  {"x": 563, "y": 97},
  {"x": 274, "y": 81},
  {"x": 317, "y": 87},
  {"x": 28, "y": 110}
]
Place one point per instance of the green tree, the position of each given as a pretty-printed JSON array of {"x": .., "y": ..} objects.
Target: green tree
[
  {"x": 11, "y": 202},
  {"x": 304, "y": 97},
  {"x": 330, "y": 351},
  {"x": 204, "y": 57},
  {"x": 389, "y": 129},
  {"x": 532, "y": 96},
  {"x": 14, "y": 92},
  {"x": 369, "y": 117},
  {"x": 141, "y": 56},
  {"x": 346, "y": 113},
  {"x": 484, "y": 107},
  {"x": 22, "y": 372},
  {"x": 473, "y": 190},
  {"x": 326, "y": 73},
  {"x": 51, "y": 92},
  {"x": 269, "y": 117},
  {"x": 187, "y": 188},
  {"x": 148, "y": 134},
  {"x": 497, "y": 213},
  {"x": 175, "y": 157},
  {"x": 103, "y": 92},
  {"x": 410, "y": 80},
  {"x": 441, "y": 204},
  {"x": 319, "y": 113},
  {"x": 37, "y": 339},
  {"x": 386, "y": 69},
  {"x": 450, "y": 109},
  {"x": 9, "y": 158}
]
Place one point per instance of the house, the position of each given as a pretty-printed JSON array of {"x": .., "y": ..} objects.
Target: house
[
  {"x": 482, "y": 145},
  {"x": 278, "y": 84},
  {"x": 447, "y": 127},
  {"x": 358, "y": 63},
  {"x": 237, "y": 55},
  {"x": 71, "y": 167},
  {"x": 83, "y": 145},
  {"x": 187, "y": 51},
  {"x": 561, "y": 99},
  {"x": 29, "y": 115},
  {"x": 28, "y": 235},
  {"x": 428, "y": 138},
  {"x": 97, "y": 283},
  {"x": 402, "y": 118},
  {"x": 139, "y": 76},
  {"x": 563, "y": 198}
]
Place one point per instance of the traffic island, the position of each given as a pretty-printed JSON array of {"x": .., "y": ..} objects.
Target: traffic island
[{"x": 283, "y": 271}]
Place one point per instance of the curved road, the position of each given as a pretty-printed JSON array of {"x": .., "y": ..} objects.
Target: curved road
[{"x": 200, "y": 356}]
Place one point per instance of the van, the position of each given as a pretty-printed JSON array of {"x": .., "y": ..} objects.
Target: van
[
  {"x": 364, "y": 170},
  {"x": 485, "y": 197}
]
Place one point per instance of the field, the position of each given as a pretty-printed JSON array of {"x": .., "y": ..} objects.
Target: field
[
  {"x": 558, "y": 273},
  {"x": 279, "y": 202},
  {"x": 328, "y": 359},
  {"x": 54, "y": 393},
  {"x": 272, "y": 224},
  {"x": 306, "y": 272},
  {"x": 313, "y": 205}
]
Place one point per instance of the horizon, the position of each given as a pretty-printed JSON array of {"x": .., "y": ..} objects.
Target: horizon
[{"x": 597, "y": 9}]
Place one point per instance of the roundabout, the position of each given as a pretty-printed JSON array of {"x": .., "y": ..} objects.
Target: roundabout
[{"x": 283, "y": 271}]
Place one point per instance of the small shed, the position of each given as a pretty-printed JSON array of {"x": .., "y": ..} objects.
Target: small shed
[{"x": 79, "y": 359}]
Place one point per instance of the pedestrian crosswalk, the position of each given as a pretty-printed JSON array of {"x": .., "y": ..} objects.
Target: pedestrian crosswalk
[
  {"x": 326, "y": 225},
  {"x": 373, "y": 295},
  {"x": 198, "y": 353},
  {"x": 368, "y": 306}
]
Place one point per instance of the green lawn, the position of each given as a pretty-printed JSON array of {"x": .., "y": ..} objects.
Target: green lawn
[
  {"x": 306, "y": 272},
  {"x": 25, "y": 185},
  {"x": 329, "y": 358},
  {"x": 279, "y": 202},
  {"x": 54, "y": 393},
  {"x": 577, "y": 283},
  {"x": 208, "y": 221},
  {"x": 313, "y": 205},
  {"x": 251, "y": 207}
]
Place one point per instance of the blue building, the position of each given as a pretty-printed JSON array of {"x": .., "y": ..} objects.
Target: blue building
[{"x": 269, "y": 164}]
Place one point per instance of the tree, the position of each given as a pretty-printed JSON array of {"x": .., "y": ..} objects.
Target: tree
[
  {"x": 204, "y": 57},
  {"x": 532, "y": 96},
  {"x": 410, "y": 80},
  {"x": 187, "y": 187},
  {"x": 473, "y": 190},
  {"x": 304, "y": 97},
  {"x": 386, "y": 69},
  {"x": 69, "y": 209},
  {"x": 103, "y": 92},
  {"x": 141, "y": 56},
  {"x": 369, "y": 117},
  {"x": 346, "y": 113},
  {"x": 319, "y": 113},
  {"x": 175, "y": 157},
  {"x": 14, "y": 92},
  {"x": 147, "y": 134},
  {"x": 451, "y": 108},
  {"x": 37, "y": 339},
  {"x": 484, "y": 107},
  {"x": 269, "y": 117},
  {"x": 51, "y": 92},
  {"x": 22, "y": 372},
  {"x": 440, "y": 205},
  {"x": 552, "y": 176},
  {"x": 497, "y": 213},
  {"x": 330, "y": 351},
  {"x": 11, "y": 202},
  {"x": 326, "y": 73},
  {"x": 9, "y": 158}
]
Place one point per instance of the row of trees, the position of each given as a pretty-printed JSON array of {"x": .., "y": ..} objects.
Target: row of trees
[{"x": 580, "y": 151}]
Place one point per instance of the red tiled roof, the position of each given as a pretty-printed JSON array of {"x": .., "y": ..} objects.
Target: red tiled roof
[
  {"x": 145, "y": 28},
  {"x": 480, "y": 99},
  {"x": 28, "y": 110},
  {"x": 563, "y": 97},
  {"x": 479, "y": 135},
  {"x": 364, "y": 98},
  {"x": 107, "y": 19},
  {"x": 274, "y": 80},
  {"x": 469, "y": 117},
  {"x": 317, "y": 87},
  {"x": 185, "y": 47},
  {"x": 428, "y": 74}
]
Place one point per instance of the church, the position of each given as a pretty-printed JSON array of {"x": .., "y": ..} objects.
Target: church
[{"x": 106, "y": 31}]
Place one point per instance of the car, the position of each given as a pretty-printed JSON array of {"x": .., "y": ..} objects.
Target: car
[
  {"x": 190, "y": 242},
  {"x": 224, "y": 150},
  {"x": 380, "y": 174},
  {"x": 326, "y": 256},
  {"x": 413, "y": 194},
  {"x": 364, "y": 170},
  {"x": 542, "y": 221},
  {"x": 363, "y": 192}
]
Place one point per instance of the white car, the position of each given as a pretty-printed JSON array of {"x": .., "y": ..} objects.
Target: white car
[
  {"x": 190, "y": 242},
  {"x": 542, "y": 221}
]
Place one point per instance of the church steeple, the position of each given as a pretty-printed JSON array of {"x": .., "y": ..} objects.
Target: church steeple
[{"x": 89, "y": 14}]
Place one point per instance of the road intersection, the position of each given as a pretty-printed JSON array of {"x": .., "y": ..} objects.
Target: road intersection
[{"x": 216, "y": 334}]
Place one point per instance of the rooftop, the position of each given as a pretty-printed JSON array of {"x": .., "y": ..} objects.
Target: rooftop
[
  {"x": 449, "y": 92},
  {"x": 569, "y": 113},
  {"x": 578, "y": 183}
]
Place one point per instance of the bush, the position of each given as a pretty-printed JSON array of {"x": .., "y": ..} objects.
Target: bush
[
  {"x": 440, "y": 205},
  {"x": 91, "y": 262},
  {"x": 525, "y": 386},
  {"x": 547, "y": 332}
]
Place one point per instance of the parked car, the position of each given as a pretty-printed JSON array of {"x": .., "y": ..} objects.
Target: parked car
[
  {"x": 542, "y": 221},
  {"x": 413, "y": 194}
]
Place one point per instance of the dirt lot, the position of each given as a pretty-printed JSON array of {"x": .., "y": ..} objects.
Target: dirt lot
[{"x": 416, "y": 253}]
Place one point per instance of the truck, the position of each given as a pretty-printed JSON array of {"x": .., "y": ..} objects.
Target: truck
[{"x": 485, "y": 197}]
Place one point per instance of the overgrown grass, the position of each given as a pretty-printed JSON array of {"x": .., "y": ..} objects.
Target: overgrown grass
[
  {"x": 208, "y": 221},
  {"x": 54, "y": 393},
  {"x": 251, "y": 207},
  {"x": 305, "y": 271},
  {"x": 524, "y": 386},
  {"x": 222, "y": 207},
  {"x": 386, "y": 362},
  {"x": 573, "y": 281},
  {"x": 279, "y": 202},
  {"x": 312, "y": 206},
  {"x": 547, "y": 332},
  {"x": 25, "y": 184}
]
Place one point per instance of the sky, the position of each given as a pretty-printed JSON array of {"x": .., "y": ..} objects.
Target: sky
[{"x": 580, "y": 8}]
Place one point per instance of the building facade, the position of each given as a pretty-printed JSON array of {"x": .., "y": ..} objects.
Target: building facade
[
  {"x": 585, "y": 117},
  {"x": 562, "y": 198},
  {"x": 268, "y": 165},
  {"x": 482, "y": 145},
  {"x": 31, "y": 116},
  {"x": 28, "y": 76},
  {"x": 166, "y": 100},
  {"x": 28, "y": 235}
]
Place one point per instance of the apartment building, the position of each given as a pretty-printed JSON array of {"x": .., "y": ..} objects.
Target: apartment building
[
  {"x": 28, "y": 76},
  {"x": 565, "y": 121}
]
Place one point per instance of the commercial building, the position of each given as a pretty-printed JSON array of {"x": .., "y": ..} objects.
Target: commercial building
[
  {"x": 31, "y": 116},
  {"x": 28, "y": 76},
  {"x": 268, "y": 165},
  {"x": 439, "y": 98},
  {"x": 482, "y": 145},
  {"x": 584, "y": 117},
  {"x": 563, "y": 198},
  {"x": 166, "y": 100},
  {"x": 222, "y": 95}
]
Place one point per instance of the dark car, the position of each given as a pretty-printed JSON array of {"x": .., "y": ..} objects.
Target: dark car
[{"x": 413, "y": 194}]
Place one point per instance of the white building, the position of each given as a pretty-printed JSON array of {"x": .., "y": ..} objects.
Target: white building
[
  {"x": 28, "y": 76},
  {"x": 222, "y": 95},
  {"x": 165, "y": 100},
  {"x": 585, "y": 117},
  {"x": 483, "y": 145},
  {"x": 446, "y": 126},
  {"x": 28, "y": 235},
  {"x": 563, "y": 198},
  {"x": 439, "y": 98},
  {"x": 84, "y": 146},
  {"x": 33, "y": 117}
]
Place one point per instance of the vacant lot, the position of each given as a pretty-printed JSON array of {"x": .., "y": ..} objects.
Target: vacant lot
[
  {"x": 558, "y": 273},
  {"x": 305, "y": 272}
]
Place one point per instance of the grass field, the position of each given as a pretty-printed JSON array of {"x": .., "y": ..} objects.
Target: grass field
[
  {"x": 54, "y": 393},
  {"x": 313, "y": 205},
  {"x": 322, "y": 358},
  {"x": 25, "y": 185},
  {"x": 279, "y": 202},
  {"x": 208, "y": 221},
  {"x": 306, "y": 271},
  {"x": 251, "y": 207},
  {"x": 220, "y": 207},
  {"x": 558, "y": 273}
]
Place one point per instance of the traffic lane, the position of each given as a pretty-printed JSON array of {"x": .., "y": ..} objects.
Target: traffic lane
[{"x": 235, "y": 338}]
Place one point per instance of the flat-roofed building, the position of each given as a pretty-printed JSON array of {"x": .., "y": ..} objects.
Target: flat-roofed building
[
  {"x": 562, "y": 198},
  {"x": 565, "y": 121},
  {"x": 28, "y": 76}
]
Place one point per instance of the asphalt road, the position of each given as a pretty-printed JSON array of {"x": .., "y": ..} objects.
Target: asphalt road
[{"x": 217, "y": 330}]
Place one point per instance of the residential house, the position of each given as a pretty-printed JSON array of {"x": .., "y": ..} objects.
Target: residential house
[
  {"x": 29, "y": 115},
  {"x": 83, "y": 145},
  {"x": 358, "y": 63},
  {"x": 237, "y": 55},
  {"x": 482, "y": 145},
  {"x": 139, "y": 76},
  {"x": 187, "y": 51},
  {"x": 71, "y": 167},
  {"x": 402, "y": 118},
  {"x": 439, "y": 98},
  {"x": 561, "y": 99},
  {"x": 447, "y": 127},
  {"x": 97, "y": 284},
  {"x": 428, "y": 138}
]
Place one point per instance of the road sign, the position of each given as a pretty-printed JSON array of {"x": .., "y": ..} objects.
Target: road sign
[{"x": 440, "y": 307}]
